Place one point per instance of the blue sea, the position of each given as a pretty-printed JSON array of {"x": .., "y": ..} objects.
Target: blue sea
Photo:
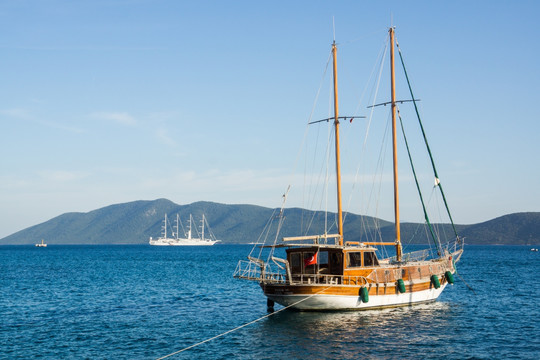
[{"x": 144, "y": 302}]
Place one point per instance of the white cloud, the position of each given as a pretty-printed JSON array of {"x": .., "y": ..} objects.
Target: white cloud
[
  {"x": 62, "y": 175},
  {"x": 122, "y": 118},
  {"x": 163, "y": 137},
  {"x": 23, "y": 114},
  {"x": 16, "y": 113}
]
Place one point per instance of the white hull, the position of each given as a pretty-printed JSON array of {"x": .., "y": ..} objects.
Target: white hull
[
  {"x": 192, "y": 242},
  {"x": 41, "y": 244},
  {"x": 160, "y": 242},
  {"x": 347, "y": 302},
  {"x": 182, "y": 242}
]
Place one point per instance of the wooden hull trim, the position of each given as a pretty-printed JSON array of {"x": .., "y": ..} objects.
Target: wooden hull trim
[{"x": 354, "y": 302}]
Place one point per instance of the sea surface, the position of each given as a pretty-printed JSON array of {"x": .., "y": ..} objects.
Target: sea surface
[{"x": 144, "y": 302}]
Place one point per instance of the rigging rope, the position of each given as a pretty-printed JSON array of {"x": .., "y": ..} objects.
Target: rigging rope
[
  {"x": 263, "y": 235},
  {"x": 425, "y": 139},
  {"x": 437, "y": 242},
  {"x": 382, "y": 57},
  {"x": 311, "y": 116},
  {"x": 279, "y": 226},
  {"x": 266, "y": 230},
  {"x": 241, "y": 326},
  {"x": 183, "y": 230}
]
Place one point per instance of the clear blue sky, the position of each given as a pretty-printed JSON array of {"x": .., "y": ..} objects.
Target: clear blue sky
[{"x": 104, "y": 102}]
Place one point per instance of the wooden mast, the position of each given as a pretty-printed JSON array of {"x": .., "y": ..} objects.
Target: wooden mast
[
  {"x": 338, "y": 166},
  {"x": 394, "y": 145}
]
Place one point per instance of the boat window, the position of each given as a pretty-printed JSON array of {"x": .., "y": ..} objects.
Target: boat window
[
  {"x": 354, "y": 259},
  {"x": 323, "y": 258},
  {"x": 296, "y": 264},
  {"x": 323, "y": 262},
  {"x": 336, "y": 263},
  {"x": 370, "y": 259}
]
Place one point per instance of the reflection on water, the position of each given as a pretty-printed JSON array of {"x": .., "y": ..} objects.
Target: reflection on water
[{"x": 348, "y": 335}]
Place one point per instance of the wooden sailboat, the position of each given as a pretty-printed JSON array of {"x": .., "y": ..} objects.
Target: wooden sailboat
[{"x": 327, "y": 272}]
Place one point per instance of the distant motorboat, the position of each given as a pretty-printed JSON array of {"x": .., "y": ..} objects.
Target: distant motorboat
[
  {"x": 534, "y": 249},
  {"x": 42, "y": 244}
]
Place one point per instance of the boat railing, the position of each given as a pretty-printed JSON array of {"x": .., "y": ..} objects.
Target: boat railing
[
  {"x": 251, "y": 270},
  {"x": 267, "y": 273},
  {"x": 325, "y": 279},
  {"x": 419, "y": 255},
  {"x": 455, "y": 245}
]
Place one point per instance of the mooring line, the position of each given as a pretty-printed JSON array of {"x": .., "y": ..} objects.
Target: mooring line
[
  {"x": 241, "y": 326},
  {"x": 461, "y": 278}
]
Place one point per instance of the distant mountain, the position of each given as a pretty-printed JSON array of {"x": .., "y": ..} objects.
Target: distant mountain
[
  {"x": 512, "y": 229},
  {"x": 135, "y": 222}
]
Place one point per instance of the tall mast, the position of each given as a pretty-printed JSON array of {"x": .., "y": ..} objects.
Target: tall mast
[
  {"x": 202, "y": 227},
  {"x": 189, "y": 229},
  {"x": 394, "y": 144},
  {"x": 177, "y": 225},
  {"x": 165, "y": 226},
  {"x": 338, "y": 166}
]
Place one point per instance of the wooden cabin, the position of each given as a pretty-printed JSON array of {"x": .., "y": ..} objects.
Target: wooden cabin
[{"x": 331, "y": 264}]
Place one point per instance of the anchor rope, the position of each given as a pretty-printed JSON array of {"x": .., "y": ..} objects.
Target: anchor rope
[
  {"x": 461, "y": 278},
  {"x": 241, "y": 326}
]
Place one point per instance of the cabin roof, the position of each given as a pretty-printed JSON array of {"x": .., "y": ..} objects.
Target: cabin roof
[{"x": 359, "y": 246}]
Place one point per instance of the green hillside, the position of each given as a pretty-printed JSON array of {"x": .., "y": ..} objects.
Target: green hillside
[
  {"x": 513, "y": 229},
  {"x": 135, "y": 222}
]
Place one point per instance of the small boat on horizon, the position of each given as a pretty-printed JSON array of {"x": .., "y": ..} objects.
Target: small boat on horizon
[{"x": 42, "y": 244}]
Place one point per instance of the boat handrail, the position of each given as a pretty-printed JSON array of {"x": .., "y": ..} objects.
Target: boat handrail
[
  {"x": 314, "y": 279},
  {"x": 419, "y": 255},
  {"x": 312, "y": 237}
]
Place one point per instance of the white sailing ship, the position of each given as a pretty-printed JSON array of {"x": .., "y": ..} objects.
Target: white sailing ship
[{"x": 200, "y": 239}]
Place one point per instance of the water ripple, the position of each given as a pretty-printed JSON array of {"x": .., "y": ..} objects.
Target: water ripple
[{"x": 142, "y": 302}]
